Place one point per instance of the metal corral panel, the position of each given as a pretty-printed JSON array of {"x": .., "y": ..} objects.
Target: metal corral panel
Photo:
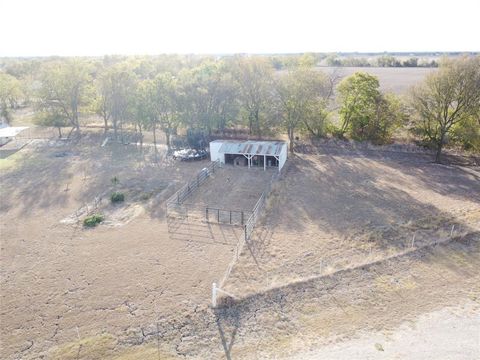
[{"x": 251, "y": 147}]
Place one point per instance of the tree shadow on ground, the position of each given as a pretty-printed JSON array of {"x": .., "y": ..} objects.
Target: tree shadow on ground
[
  {"x": 346, "y": 195},
  {"x": 44, "y": 178},
  {"x": 457, "y": 258},
  {"x": 38, "y": 181}
]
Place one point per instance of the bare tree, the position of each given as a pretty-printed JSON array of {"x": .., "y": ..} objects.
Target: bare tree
[
  {"x": 300, "y": 95},
  {"x": 446, "y": 98}
]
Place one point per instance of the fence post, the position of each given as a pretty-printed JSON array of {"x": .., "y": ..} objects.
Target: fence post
[
  {"x": 242, "y": 217},
  {"x": 218, "y": 216},
  {"x": 178, "y": 198},
  {"x": 206, "y": 213},
  {"x": 214, "y": 295},
  {"x": 230, "y": 217}
]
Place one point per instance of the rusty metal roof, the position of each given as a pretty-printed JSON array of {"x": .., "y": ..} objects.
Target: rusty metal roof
[{"x": 251, "y": 147}]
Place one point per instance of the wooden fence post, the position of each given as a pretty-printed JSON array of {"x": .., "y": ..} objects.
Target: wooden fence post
[
  {"x": 206, "y": 213},
  {"x": 218, "y": 216}
]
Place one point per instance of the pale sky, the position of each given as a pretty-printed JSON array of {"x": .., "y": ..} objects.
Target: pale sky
[{"x": 99, "y": 27}]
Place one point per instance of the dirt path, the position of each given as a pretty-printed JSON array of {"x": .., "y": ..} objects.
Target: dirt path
[{"x": 449, "y": 333}]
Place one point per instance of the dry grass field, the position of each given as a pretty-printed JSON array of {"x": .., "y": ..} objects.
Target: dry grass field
[
  {"x": 339, "y": 209},
  {"x": 353, "y": 249},
  {"x": 61, "y": 281},
  {"x": 396, "y": 80}
]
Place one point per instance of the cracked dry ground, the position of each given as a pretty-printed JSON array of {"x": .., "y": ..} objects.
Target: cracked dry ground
[
  {"x": 60, "y": 283},
  {"x": 120, "y": 286}
]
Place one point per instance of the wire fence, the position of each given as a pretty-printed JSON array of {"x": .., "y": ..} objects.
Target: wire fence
[
  {"x": 249, "y": 227},
  {"x": 258, "y": 208},
  {"x": 190, "y": 212},
  {"x": 180, "y": 211},
  {"x": 184, "y": 192}
]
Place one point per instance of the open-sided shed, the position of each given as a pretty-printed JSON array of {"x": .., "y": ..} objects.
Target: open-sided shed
[
  {"x": 9, "y": 132},
  {"x": 250, "y": 153}
]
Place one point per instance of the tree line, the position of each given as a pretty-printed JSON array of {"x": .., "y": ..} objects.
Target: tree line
[
  {"x": 381, "y": 61},
  {"x": 208, "y": 95}
]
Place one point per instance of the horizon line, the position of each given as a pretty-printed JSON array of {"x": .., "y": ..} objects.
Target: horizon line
[{"x": 413, "y": 53}]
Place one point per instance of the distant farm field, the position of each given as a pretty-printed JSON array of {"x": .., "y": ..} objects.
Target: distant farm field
[{"x": 396, "y": 80}]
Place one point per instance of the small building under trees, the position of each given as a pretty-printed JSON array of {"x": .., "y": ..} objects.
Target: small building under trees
[
  {"x": 250, "y": 153},
  {"x": 10, "y": 132}
]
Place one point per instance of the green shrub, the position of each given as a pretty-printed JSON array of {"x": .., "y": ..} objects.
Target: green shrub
[
  {"x": 93, "y": 220},
  {"x": 335, "y": 131},
  {"x": 115, "y": 180},
  {"x": 117, "y": 197},
  {"x": 146, "y": 195}
]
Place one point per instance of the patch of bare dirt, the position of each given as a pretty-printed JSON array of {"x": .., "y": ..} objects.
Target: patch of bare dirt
[
  {"x": 60, "y": 282},
  {"x": 333, "y": 258},
  {"x": 342, "y": 209}
]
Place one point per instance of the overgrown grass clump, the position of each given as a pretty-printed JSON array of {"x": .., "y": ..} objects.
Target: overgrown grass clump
[
  {"x": 117, "y": 197},
  {"x": 93, "y": 220}
]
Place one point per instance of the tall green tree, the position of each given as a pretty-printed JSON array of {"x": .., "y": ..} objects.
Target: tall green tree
[
  {"x": 65, "y": 89},
  {"x": 103, "y": 97},
  {"x": 358, "y": 95},
  {"x": 10, "y": 95},
  {"x": 145, "y": 108},
  {"x": 209, "y": 96},
  {"x": 255, "y": 79},
  {"x": 122, "y": 87},
  {"x": 449, "y": 97},
  {"x": 366, "y": 113},
  {"x": 467, "y": 134},
  {"x": 301, "y": 97},
  {"x": 52, "y": 118},
  {"x": 167, "y": 104}
]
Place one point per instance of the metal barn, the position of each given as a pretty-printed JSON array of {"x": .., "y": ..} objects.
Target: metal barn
[{"x": 250, "y": 153}]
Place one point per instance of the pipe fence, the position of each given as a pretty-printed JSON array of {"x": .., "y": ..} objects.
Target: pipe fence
[{"x": 185, "y": 191}]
